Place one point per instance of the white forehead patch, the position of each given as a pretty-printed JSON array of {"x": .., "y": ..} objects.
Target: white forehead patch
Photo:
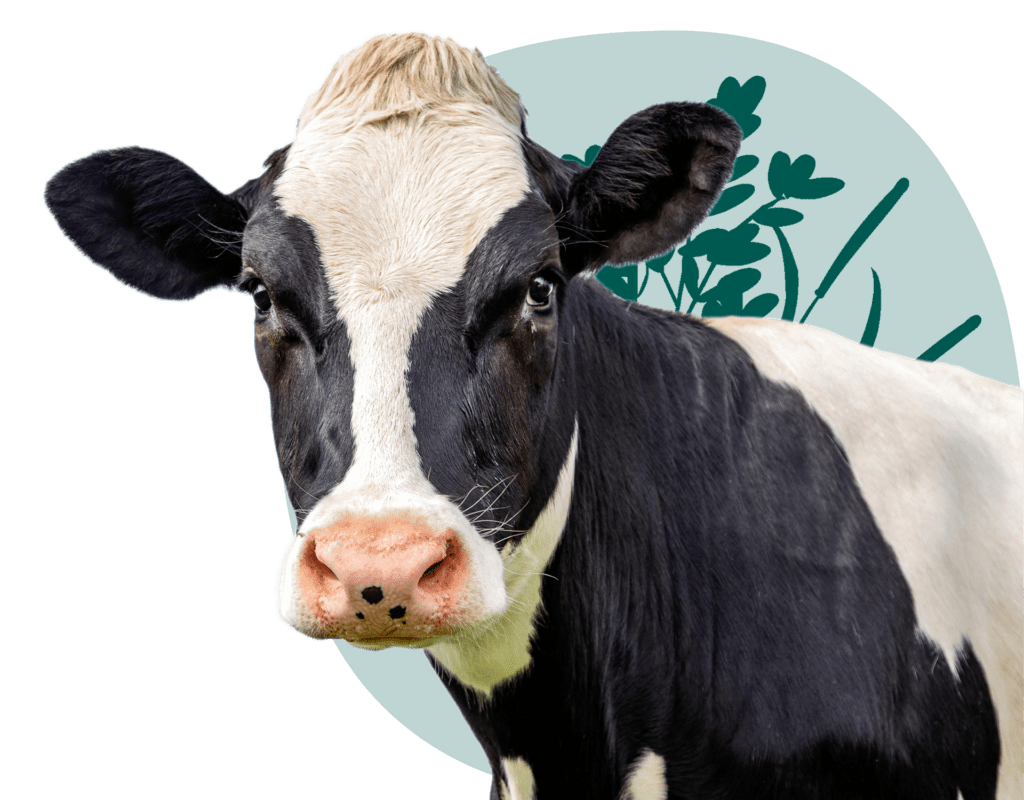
[
  {"x": 404, "y": 159},
  {"x": 397, "y": 208}
]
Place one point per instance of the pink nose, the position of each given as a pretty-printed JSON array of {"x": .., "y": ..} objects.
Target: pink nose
[{"x": 366, "y": 579}]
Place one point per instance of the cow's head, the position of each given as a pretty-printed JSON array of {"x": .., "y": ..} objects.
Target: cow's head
[{"x": 411, "y": 257}]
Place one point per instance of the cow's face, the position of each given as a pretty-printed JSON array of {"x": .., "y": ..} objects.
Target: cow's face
[
  {"x": 411, "y": 258},
  {"x": 411, "y": 388}
]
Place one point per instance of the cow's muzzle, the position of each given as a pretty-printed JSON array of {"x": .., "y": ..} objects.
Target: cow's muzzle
[{"x": 380, "y": 581}]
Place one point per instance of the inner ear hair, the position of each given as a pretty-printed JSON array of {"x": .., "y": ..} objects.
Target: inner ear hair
[{"x": 679, "y": 214}]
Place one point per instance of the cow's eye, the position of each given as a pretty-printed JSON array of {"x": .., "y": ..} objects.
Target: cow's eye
[
  {"x": 261, "y": 297},
  {"x": 541, "y": 290}
]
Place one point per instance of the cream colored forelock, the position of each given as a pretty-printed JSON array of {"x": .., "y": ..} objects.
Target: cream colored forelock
[{"x": 394, "y": 76}]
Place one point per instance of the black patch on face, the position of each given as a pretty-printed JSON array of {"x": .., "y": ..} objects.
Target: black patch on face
[
  {"x": 498, "y": 272},
  {"x": 481, "y": 380},
  {"x": 303, "y": 353}
]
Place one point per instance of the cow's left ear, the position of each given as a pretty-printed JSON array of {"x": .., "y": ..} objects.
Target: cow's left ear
[{"x": 654, "y": 181}]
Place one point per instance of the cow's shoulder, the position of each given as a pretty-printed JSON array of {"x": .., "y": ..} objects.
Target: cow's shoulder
[
  {"x": 937, "y": 453},
  {"x": 839, "y": 376}
]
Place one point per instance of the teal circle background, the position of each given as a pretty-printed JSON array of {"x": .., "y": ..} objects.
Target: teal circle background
[{"x": 932, "y": 264}]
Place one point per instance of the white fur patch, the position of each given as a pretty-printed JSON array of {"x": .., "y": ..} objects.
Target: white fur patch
[
  {"x": 646, "y": 779},
  {"x": 518, "y": 783},
  {"x": 937, "y": 452},
  {"x": 498, "y": 649}
]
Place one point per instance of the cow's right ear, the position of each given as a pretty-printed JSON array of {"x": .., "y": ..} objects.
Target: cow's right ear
[
  {"x": 151, "y": 220},
  {"x": 654, "y": 181}
]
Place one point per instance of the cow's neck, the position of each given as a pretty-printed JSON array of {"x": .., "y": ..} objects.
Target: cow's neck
[
  {"x": 696, "y": 497},
  {"x": 496, "y": 651},
  {"x": 557, "y": 654}
]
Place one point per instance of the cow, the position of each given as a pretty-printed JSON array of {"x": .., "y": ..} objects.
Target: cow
[{"x": 649, "y": 555}]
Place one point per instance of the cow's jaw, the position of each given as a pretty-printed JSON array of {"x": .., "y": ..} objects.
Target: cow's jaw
[{"x": 498, "y": 649}]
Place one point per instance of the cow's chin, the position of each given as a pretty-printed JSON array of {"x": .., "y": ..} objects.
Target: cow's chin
[
  {"x": 374, "y": 633},
  {"x": 384, "y": 643},
  {"x": 368, "y": 640}
]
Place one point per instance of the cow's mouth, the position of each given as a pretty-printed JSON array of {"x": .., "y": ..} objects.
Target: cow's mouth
[{"x": 384, "y": 642}]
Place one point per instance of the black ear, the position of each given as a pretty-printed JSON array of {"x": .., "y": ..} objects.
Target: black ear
[
  {"x": 150, "y": 220},
  {"x": 654, "y": 181}
]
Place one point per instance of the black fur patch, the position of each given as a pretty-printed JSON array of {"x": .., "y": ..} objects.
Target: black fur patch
[
  {"x": 479, "y": 380},
  {"x": 721, "y": 594},
  {"x": 303, "y": 352}
]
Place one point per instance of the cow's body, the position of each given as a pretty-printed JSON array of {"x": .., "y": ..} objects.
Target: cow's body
[
  {"x": 758, "y": 550},
  {"x": 649, "y": 556}
]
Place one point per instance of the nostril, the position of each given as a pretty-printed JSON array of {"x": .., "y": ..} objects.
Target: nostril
[
  {"x": 431, "y": 571},
  {"x": 449, "y": 549},
  {"x": 438, "y": 577}
]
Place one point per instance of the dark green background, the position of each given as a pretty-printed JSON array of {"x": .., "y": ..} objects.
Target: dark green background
[{"x": 144, "y": 506}]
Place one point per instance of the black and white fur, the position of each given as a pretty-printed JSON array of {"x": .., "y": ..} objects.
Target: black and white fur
[{"x": 730, "y": 560}]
